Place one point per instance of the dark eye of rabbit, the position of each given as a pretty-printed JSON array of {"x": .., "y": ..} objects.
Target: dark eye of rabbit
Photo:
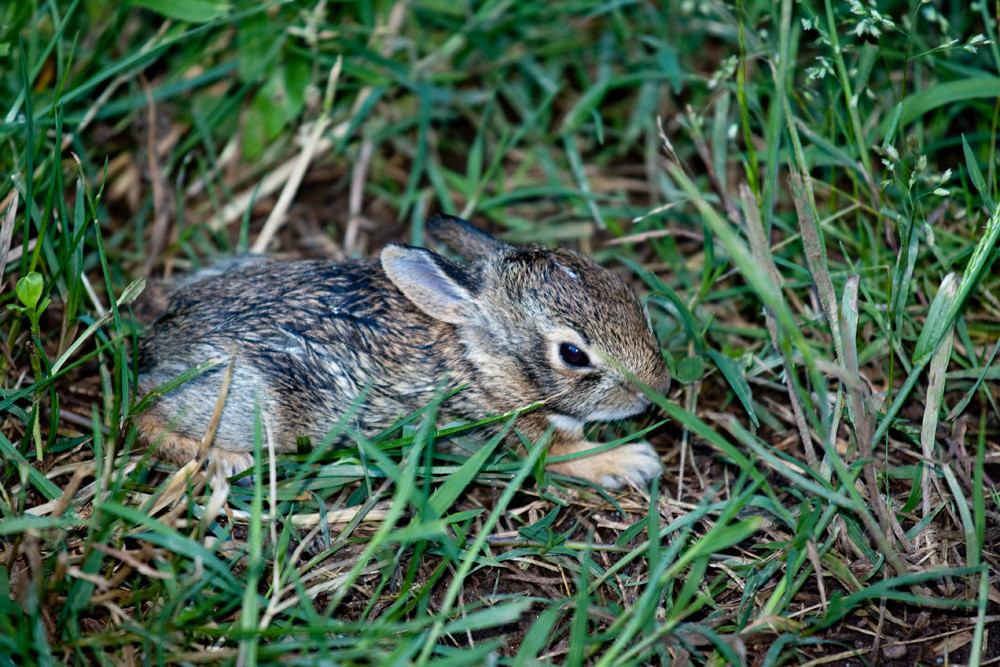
[{"x": 573, "y": 356}]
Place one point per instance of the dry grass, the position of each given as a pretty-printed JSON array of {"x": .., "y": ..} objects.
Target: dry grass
[{"x": 830, "y": 442}]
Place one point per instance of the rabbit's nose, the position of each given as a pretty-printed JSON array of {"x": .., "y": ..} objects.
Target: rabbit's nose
[
  {"x": 659, "y": 380},
  {"x": 662, "y": 383}
]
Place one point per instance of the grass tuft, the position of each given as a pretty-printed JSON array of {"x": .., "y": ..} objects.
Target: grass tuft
[{"x": 805, "y": 192}]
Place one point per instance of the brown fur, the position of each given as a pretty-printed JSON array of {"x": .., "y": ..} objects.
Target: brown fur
[{"x": 314, "y": 337}]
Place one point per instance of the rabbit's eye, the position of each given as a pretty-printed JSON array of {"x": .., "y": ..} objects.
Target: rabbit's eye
[{"x": 573, "y": 356}]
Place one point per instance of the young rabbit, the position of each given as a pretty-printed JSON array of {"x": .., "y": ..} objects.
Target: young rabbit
[{"x": 515, "y": 326}]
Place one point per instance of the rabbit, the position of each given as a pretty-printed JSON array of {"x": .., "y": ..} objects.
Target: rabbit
[{"x": 509, "y": 328}]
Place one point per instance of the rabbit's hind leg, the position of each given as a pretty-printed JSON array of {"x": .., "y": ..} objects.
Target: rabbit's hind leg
[
  {"x": 179, "y": 449},
  {"x": 165, "y": 443},
  {"x": 229, "y": 463}
]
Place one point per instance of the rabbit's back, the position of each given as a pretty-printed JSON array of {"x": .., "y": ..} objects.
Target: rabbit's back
[{"x": 310, "y": 339}]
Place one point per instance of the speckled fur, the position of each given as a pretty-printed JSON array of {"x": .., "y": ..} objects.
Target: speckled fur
[{"x": 311, "y": 336}]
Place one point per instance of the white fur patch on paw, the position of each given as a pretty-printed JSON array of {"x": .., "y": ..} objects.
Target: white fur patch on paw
[
  {"x": 636, "y": 464},
  {"x": 230, "y": 464}
]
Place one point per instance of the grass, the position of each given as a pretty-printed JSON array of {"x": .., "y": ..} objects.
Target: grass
[{"x": 810, "y": 209}]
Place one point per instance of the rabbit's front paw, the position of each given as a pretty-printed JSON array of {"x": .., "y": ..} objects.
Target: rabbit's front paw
[{"x": 634, "y": 464}]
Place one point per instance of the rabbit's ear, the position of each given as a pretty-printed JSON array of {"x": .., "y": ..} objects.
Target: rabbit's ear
[
  {"x": 435, "y": 285},
  {"x": 467, "y": 240}
]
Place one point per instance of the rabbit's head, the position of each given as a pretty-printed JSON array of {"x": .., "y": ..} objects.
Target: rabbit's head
[{"x": 539, "y": 324}]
